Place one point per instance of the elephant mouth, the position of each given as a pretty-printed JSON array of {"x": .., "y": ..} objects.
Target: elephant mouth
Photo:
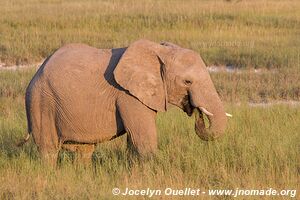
[
  {"x": 189, "y": 109},
  {"x": 187, "y": 106}
]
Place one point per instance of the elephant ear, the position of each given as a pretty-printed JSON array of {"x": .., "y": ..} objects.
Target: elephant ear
[{"x": 140, "y": 72}]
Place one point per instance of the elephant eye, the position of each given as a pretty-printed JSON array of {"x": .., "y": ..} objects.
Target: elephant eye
[{"x": 187, "y": 82}]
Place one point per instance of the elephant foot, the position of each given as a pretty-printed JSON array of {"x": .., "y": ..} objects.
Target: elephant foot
[{"x": 83, "y": 152}]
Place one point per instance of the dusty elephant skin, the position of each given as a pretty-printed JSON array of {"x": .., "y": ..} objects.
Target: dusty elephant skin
[{"x": 82, "y": 96}]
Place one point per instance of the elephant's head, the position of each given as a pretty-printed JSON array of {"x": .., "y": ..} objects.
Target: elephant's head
[{"x": 158, "y": 74}]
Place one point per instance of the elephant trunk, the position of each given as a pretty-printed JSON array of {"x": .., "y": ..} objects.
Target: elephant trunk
[
  {"x": 217, "y": 125},
  {"x": 209, "y": 104}
]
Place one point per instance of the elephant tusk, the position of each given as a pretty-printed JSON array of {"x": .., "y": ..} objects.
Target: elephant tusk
[
  {"x": 228, "y": 115},
  {"x": 205, "y": 111}
]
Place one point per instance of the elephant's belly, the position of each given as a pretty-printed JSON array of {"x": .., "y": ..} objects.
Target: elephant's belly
[{"x": 89, "y": 127}]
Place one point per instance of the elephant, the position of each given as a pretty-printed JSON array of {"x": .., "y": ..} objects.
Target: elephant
[{"x": 81, "y": 96}]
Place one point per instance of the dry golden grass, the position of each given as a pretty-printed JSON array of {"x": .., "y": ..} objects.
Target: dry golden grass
[
  {"x": 265, "y": 86},
  {"x": 256, "y": 33}
]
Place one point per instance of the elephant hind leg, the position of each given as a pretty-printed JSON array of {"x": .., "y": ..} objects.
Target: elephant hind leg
[
  {"x": 49, "y": 152},
  {"x": 83, "y": 152},
  {"x": 45, "y": 135}
]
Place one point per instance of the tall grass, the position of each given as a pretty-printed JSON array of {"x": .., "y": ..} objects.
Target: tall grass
[
  {"x": 259, "y": 150},
  {"x": 256, "y": 33}
]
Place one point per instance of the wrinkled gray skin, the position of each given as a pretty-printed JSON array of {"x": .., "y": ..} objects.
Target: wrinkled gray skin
[{"x": 82, "y": 96}]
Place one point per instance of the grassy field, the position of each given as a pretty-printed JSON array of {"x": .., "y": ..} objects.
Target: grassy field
[
  {"x": 256, "y": 33},
  {"x": 260, "y": 149}
]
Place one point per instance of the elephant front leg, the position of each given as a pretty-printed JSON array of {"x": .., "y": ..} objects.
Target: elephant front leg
[{"x": 139, "y": 122}]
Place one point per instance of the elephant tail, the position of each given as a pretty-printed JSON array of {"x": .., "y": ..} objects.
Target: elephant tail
[{"x": 23, "y": 141}]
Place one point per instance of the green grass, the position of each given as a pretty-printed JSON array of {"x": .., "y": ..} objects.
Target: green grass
[
  {"x": 259, "y": 150},
  {"x": 256, "y": 33},
  {"x": 254, "y": 153}
]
